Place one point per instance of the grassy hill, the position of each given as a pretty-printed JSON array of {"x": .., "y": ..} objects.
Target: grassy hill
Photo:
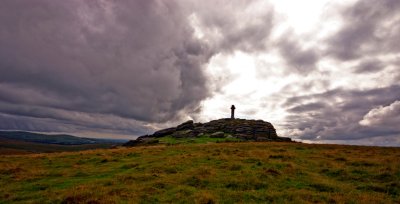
[{"x": 247, "y": 172}]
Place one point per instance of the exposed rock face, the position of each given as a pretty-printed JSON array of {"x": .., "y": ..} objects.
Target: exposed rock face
[
  {"x": 164, "y": 132},
  {"x": 185, "y": 126},
  {"x": 142, "y": 140},
  {"x": 183, "y": 134},
  {"x": 246, "y": 130},
  {"x": 218, "y": 135}
]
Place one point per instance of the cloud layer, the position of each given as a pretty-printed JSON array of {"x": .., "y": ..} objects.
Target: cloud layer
[
  {"x": 133, "y": 60},
  {"x": 132, "y": 67},
  {"x": 337, "y": 114},
  {"x": 319, "y": 84}
]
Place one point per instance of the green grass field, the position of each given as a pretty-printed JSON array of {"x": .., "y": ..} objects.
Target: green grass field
[{"x": 206, "y": 173}]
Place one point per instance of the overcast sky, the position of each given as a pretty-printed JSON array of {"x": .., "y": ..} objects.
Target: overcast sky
[{"x": 319, "y": 71}]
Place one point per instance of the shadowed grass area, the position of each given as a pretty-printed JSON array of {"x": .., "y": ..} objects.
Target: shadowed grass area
[{"x": 206, "y": 173}]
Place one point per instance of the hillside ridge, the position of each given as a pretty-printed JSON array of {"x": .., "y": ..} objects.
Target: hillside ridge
[{"x": 59, "y": 139}]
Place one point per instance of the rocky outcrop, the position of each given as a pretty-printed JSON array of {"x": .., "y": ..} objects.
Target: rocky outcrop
[
  {"x": 142, "y": 140},
  {"x": 246, "y": 130}
]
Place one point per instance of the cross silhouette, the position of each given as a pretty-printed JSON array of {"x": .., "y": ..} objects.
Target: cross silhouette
[{"x": 233, "y": 112}]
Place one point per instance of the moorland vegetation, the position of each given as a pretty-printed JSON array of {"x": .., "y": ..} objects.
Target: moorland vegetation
[{"x": 247, "y": 172}]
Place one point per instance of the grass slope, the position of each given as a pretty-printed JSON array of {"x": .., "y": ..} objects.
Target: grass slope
[{"x": 206, "y": 173}]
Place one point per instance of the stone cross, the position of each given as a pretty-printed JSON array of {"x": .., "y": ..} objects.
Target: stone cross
[{"x": 232, "y": 112}]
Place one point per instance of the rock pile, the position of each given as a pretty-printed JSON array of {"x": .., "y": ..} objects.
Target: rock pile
[{"x": 246, "y": 130}]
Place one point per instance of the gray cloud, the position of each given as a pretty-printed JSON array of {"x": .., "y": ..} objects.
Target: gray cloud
[
  {"x": 308, "y": 107},
  {"x": 384, "y": 117},
  {"x": 231, "y": 25},
  {"x": 370, "y": 32},
  {"x": 35, "y": 118},
  {"x": 338, "y": 112},
  {"x": 299, "y": 60},
  {"x": 370, "y": 27},
  {"x": 369, "y": 66},
  {"x": 126, "y": 67},
  {"x": 136, "y": 60}
]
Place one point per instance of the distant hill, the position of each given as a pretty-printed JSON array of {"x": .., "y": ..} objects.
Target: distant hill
[
  {"x": 20, "y": 142},
  {"x": 14, "y": 147},
  {"x": 60, "y": 139}
]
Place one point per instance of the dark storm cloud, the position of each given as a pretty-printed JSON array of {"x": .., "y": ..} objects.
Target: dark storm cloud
[
  {"x": 370, "y": 27},
  {"x": 33, "y": 118},
  {"x": 306, "y": 86},
  {"x": 135, "y": 59},
  {"x": 73, "y": 122},
  {"x": 307, "y": 107},
  {"x": 340, "y": 115},
  {"x": 369, "y": 66}
]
